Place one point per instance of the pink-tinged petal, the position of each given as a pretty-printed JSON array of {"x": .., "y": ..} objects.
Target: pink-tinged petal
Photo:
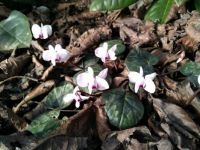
[
  {"x": 151, "y": 76},
  {"x": 102, "y": 52},
  {"x": 141, "y": 71},
  {"x": 83, "y": 79},
  {"x": 149, "y": 85},
  {"x": 63, "y": 55},
  {"x": 137, "y": 86},
  {"x": 77, "y": 104},
  {"x": 84, "y": 97},
  {"x": 92, "y": 85},
  {"x": 58, "y": 47},
  {"x": 111, "y": 52},
  {"x": 90, "y": 72},
  {"x": 46, "y": 31},
  {"x": 48, "y": 55},
  {"x": 135, "y": 77},
  {"x": 36, "y": 31},
  {"x": 68, "y": 98},
  {"x": 51, "y": 48},
  {"x": 199, "y": 79},
  {"x": 102, "y": 84},
  {"x": 76, "y": 89},
  {"x": 103, "y": 73}
]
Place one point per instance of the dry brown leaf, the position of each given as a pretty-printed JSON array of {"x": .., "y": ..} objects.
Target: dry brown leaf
[
  {"x": 89, "y": 39},
  {"x": 178, "y": 139},
  {"x": 182, "y": 95},
  {"x": 192, "y": 28},
  {"x": 101, "y": 120},
  {"x": 63, "y": 142},
  {"x": 10, "y": 122},
  {"x": 13, "y": 66},
  {"x": 134, "y": 31},
  {"x": 39, "y": 90},
  {"x": 117, "y": 140},
  {"x": 176, "y": 116}
]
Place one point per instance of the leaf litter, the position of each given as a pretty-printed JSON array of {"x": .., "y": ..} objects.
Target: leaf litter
[{"x": 34, "y": 116}]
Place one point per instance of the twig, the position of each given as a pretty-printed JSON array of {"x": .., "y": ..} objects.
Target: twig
[
  {"x": 193, "y": 96},
  {"x": 16, "y": 77}
]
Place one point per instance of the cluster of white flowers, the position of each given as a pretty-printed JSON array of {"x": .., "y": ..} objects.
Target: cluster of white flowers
[{"x": 88, "y": 79}]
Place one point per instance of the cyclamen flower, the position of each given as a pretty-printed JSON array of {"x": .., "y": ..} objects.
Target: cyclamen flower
[
  {"x": 76, "y": 95},
  {"x": 144, "y": 82},
  {"x": 106, "y": 54},
  {"x": 41, "y": 32},
  {"x": 56, "y": 55},
  {"x": 199, "y": 79},
  {"x": 87, "y": 79}
]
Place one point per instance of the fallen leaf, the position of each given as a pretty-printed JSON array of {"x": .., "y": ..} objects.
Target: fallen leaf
[
  {"x": 13, "y": 66},
  {"x": 177, "y": 117},
  {"x": 10, "y": 122},
  {"x": 39, "y": 90}
]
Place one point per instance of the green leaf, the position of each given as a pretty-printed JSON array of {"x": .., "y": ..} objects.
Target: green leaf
[
  {"x": 192, "y": 71},
  {"x": 159, "y": 11},
  {"x": 190, "y": 68},
  {"x": 180, "y": 2},
  {"x": 45, "y": 124},
  {"x": 15, "y": 32},
  {"x": 120, "y": 46},
  {"x": 140, "y": 57},
  {"x": 197, "y": 4},
  {"x": 123, "y": 108},
  {"x": 55, "y": 98},
  {"x": 102, "y": 5}
]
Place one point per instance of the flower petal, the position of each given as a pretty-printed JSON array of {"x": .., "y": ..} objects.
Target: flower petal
[
  {"x": 103, "y": 73},
  {"x": 76, "y": 89},
  {"x": 111, "y": 52},
  {"x": 135, "y": 77},
  {"x": 68, "y": 98},
  {"x": 141, "y": 71},
  {"x": 199, "y": 79},
  {"x": 149, "y": 85},
  {"x": 77, "y": 104},
  {"x": 102, "y": 52},
  {"x": 84, "y": 97},
  {"x": 63, "y": 55},
  {"x": 102, "y": 84},
  {"x": 46, "y": 31},
  {"x": 151, "y": 76},
  {"x": 48, "y": 55},
  {"x": 83, "y": 79},
  {"x": 137, "y": 86},
  {"x": 90, "y": 72},
  {"x": 36, "y": 31}
]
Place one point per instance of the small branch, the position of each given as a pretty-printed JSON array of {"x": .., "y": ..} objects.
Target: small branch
[
  {"x": 193, "y": 96},
  {"x": 20, "y": 77}
]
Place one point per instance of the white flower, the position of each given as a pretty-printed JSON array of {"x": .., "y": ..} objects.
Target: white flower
[
  {"x": 41, "y": 32},
  {"x": 87, "y": 79},
  {"x": 106, "y": 54},
  {"x": 199, "y": 79},
  {"x": 144, "y": 82},
  {"x": 182, "y": 55},
  {"x": 56, "y": 55},
  {"x": 76, "y": 95}
]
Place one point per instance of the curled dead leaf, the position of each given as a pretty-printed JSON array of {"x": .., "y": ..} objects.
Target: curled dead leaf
[
  {"x": 88, "y": 39},
  {"x": 13, "y": 66},
  {"x": 39, "y": 90},
  {"x": 177, "y": 117}
]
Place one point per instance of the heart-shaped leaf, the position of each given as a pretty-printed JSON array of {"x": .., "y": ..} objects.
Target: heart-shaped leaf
[
  {"x": 120, "y": 46},
  {"x": 123, "y": 108},
  {"x": 45, "y": 124},
  {"x": 192, "y": 71},
  {"x": 103, "y": 5},
  {"x": 15, "y": 32},
  {"x": 55, "y": 98},
  {"x": 190, "y": 68},
  {"x": 159, "y": 11},
  {"x": 140, "y": 57}
]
